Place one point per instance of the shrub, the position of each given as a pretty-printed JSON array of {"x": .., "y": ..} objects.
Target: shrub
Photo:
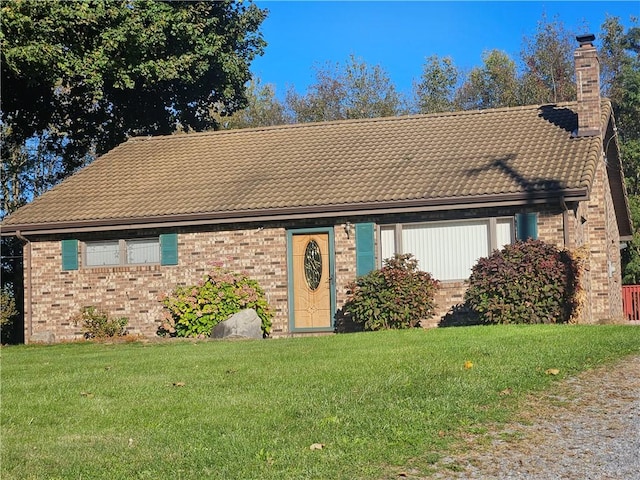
[
  {"x": 527, "y": 282},
  {"x": 97, "y": 324},
  {"x": 193, "y": 311},
  {"x": 7, "y": 309},
  {"x": 396, "y": 296}
]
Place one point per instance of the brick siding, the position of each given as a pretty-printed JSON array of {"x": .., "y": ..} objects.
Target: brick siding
[
  {"x": 601, "y": 237},
  {"x": 587, "y": 68},
  {"x": 134, "y": 291}
]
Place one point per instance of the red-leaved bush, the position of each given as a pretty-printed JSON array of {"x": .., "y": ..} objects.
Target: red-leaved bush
[
  {"x": 396, "y": 296},
  {"x": 527, "y": 282}
]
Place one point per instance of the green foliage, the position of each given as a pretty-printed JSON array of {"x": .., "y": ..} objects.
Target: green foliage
[
  {"x": 11, "y": 288},
  {"x": 493, "y": 85},
  {"x": 396, "y": 296},
  {"x": 631, "y": 254},
  {"x": 548, "y": 75},
  {"x": 263, "y": 109},
  {"x": 436, "y": 90},
  {"x": 620, "y": 60},
  {"x": 97, "y": 324},
  {"x": 78, "y": 78},
  {"x": 193, "y": 311},
  {"x": 343, "y": 91},
  {"x": 7, "y": 308},
  {"x": 527, "y": 282}
]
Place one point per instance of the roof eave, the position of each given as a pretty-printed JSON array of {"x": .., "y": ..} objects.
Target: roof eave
[
  {"x": 616, "y": 178},
  {"x": 297, "y": 213}
]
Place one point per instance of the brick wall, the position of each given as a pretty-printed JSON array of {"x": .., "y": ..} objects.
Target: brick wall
[
  {"x": 345, "y": 249},
  {"x": 579, "y": 237},
  {"x": 587, "y": 68},
  {"x": 602, "y": 240},
  {"x": 134, "y": 291}
]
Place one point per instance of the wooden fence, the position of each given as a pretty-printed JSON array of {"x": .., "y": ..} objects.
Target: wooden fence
[{"x": 631, "y": 301}]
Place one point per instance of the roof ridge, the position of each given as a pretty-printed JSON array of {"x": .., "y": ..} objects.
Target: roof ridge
[{"x": 352, "y": 121}]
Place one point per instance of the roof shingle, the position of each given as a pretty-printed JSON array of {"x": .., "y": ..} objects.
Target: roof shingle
[{"x": 325, "y": 165}]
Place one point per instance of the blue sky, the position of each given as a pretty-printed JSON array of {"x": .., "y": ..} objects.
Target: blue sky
[{"x": 398, "y": 36}]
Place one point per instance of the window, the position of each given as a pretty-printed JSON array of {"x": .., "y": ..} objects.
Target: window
[
  {"x": 447, "y": 249},
  {"x": 122, "y": 252},
  {"x": 143, "y": 250},
  {"x": 102, "y": 253},
  {"x": 162, "y": 250}
]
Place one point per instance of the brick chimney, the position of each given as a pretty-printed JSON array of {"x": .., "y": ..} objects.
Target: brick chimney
[{"x": 588, "y": 84}]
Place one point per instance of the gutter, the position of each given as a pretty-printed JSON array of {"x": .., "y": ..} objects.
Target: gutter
[
  {"x": 296, "y": 213},
  {"x": 28, "y": 313}
]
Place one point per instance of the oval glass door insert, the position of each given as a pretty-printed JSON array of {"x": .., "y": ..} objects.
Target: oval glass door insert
[{"x": 313, "y": 265}]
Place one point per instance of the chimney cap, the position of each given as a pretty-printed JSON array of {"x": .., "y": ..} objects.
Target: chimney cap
[{"x": 586, "y": 39}]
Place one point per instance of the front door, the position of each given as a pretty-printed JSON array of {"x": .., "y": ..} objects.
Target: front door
[{"x": 311, "y": 297}]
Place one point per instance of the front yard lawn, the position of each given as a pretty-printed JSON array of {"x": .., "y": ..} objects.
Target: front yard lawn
[{"x": 370, "y": 404}]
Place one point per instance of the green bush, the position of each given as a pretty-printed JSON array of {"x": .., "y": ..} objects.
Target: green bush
[
  {"x": 527, "y": 282},
  {"x": 396, "y": 296},
  {"x": 7, "y": 309},
  {"x": 97, "y": 324},
  {"x": 193, "y": 311}
]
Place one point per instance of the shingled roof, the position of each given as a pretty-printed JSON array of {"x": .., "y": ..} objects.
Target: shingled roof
[{"x": 438, "y": 161}]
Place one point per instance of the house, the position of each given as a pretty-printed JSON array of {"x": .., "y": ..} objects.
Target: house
[{"x": 305, "y": 208}]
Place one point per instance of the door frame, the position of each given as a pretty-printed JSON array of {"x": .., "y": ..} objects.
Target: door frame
[{"x": 332, "y": 277}]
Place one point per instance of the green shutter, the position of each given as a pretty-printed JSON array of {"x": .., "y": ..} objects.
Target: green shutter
[
  {"x": 69, "y": 254},
  {"x": 526, "y": 226},
  {"x": 169, "y": 249},
  {"x": 365, "y": 248}
]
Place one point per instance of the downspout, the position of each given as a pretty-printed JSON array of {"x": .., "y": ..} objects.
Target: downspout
[
  {"x": 565, "y": 222},
  {"x": 28, "y": 314}
]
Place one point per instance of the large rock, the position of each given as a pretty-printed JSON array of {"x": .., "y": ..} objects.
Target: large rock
[{"x": 244, "y": 324}]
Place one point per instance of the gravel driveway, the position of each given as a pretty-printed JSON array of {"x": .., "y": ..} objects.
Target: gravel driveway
[{"x": 586, "y": 428}]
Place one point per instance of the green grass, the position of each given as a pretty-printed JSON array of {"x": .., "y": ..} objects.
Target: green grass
[{"x": 378, "y": 402}]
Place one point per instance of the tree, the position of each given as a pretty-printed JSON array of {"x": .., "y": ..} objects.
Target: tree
[
  {"x": 548, "y": 65},
  {"x": 369, "y": 91},
  {"x": 437, "y": 87},
  {"x": 493, "y": 85},
  {"x": 613, "y": 57},
  {"x": 620, "y": 61},
  {"x": 263, "y": 109},
  {"x": 80, "y": 77},
  {"x": 352, "y": 90},
  {"x": 631, "y": 254},
  {"x": 323, "y": 100}
]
